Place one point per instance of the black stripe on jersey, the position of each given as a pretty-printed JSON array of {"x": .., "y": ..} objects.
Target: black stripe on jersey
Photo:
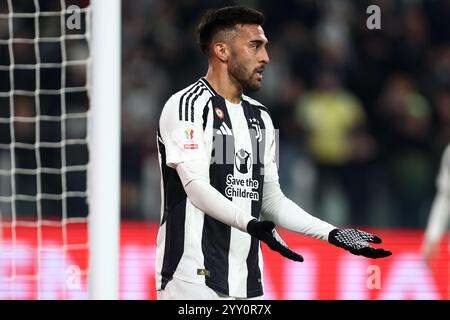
[
  {"x": 210, "y": 88},
  {"x": 193, "y": 102},
  {"x": 174, "y": 216},
  {"x": 205, "y": 114},
  {"x": 253, "y": 115},
  {"x": 190, "y": 96},
  {"x": 180, "y": 110},
  {"x": 217, "y": 235}
]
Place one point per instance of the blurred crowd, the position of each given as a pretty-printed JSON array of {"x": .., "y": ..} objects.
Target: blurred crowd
[{"x": 363, "y": 115}]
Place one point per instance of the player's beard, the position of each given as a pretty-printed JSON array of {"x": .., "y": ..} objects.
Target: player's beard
[{"x": 246, "y": 77}]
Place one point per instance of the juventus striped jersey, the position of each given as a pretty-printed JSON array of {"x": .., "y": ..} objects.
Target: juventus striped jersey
[{"x": 234, "y": 144}]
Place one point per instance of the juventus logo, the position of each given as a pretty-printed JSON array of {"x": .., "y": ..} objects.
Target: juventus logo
[{"x": 255, "y": 124}]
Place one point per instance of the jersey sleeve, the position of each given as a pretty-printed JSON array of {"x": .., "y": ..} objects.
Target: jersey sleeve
[{"x": 182, "y": 136}]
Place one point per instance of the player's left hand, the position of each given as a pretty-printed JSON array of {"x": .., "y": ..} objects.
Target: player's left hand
[
  {"x": 265, "y": 231},
  {"x": 357, "y": 242}
]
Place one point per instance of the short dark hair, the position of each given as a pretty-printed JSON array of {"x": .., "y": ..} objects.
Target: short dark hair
[{"x": 217, "y": 20}]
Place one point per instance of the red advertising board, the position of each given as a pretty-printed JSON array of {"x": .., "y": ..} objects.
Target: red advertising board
[{"x": 327, "y": 272}]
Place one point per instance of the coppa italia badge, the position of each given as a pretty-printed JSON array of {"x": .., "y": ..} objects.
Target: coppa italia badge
[
  {"x": 189, "y": 142},
  {"x": 219, "y": 113}
]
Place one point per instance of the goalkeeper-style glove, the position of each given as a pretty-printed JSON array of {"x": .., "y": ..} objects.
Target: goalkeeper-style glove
[
  {"x": 265, "y": 231},
  {"x": 357, "y": 242}
]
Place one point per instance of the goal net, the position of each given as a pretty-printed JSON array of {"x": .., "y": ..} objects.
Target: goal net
[{"x": 45, "y": 98}]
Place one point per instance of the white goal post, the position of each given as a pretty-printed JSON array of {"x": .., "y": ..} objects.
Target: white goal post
[{"x": 104, "y": 169}]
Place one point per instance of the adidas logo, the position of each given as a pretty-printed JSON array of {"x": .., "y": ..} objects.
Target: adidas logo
[{"x": 224, "y": 130}]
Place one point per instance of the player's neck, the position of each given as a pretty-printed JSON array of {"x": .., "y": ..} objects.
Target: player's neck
[{"x": 224, "y": 85}]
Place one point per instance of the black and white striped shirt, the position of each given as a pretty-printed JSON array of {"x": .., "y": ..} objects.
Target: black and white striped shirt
[{"x": 238, "y": 143}]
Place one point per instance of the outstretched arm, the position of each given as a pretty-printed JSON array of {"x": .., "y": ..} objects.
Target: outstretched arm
[{"x": 285, "y": 213}]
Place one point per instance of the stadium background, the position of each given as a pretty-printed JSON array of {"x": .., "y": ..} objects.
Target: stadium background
[{"x": 364, "y": 116}]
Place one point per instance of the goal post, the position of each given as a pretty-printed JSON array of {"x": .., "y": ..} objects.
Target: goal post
[{"x": 104, "y": 167}]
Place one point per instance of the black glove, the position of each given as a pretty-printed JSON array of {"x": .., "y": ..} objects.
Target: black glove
[
  {"x": 265, "y": 231},
  {"x": 357, "y": 242}
]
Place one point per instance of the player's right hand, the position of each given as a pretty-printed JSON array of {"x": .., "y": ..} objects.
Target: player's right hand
[{"x": 265, "y": 231}]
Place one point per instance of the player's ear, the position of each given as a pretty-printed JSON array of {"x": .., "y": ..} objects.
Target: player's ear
[{"x": 221, "y": 51}]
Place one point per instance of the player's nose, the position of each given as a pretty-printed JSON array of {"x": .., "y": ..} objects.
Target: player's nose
[{"x": 264, "y": 57}]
